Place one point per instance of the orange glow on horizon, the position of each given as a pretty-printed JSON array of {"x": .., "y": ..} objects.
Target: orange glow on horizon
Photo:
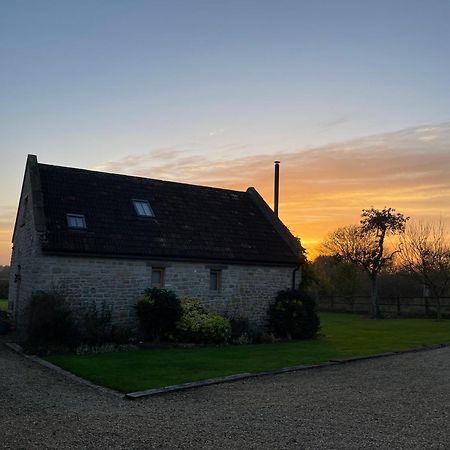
[{"x": 320, "y": 189}]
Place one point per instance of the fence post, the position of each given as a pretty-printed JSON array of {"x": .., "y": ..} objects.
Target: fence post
[
  {"x": 427, "y": 307},
  {"x": 398, "y": 306}
]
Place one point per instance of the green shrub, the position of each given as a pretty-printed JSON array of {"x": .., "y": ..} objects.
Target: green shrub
[
  {"x": 293, "y": 315},
  {"x": 97, "y": 327},
  {"x": 242, "y": 332},
  {"x": 4, "y": 287},
  {"x": 199, "y": 326},
  {"x": 189, "y": 324},
  {"x": 239, "y": 326},
  {"x": 50, "y": 322},
  {"x": 121, "y": 335},
  {"x": 215, "y": 329},
  {"x": 158, "y": 311},
  {"x": 97, "y": 324}
]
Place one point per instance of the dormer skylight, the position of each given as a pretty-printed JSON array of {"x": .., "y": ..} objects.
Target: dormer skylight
[
  {"x": 76, "y": 221},
  {"x": 143, "y": 208}
]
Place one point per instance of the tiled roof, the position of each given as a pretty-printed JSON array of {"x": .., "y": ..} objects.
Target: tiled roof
[{"x": 191, "y": 222}]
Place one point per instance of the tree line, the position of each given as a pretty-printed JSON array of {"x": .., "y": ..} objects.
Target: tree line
[
  {"x": 4, "y": 281},
  {"x": 358, "y": 257}
]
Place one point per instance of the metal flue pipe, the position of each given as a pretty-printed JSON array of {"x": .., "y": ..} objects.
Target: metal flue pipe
[{"x": 276, "y": 187}]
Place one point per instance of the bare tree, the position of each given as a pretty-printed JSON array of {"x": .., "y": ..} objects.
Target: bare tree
[
  {"x": 425, "y": 254},
  {"x": 364, "y": 245}
]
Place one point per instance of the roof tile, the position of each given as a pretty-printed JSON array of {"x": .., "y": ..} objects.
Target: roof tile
[{"x": 192, "y": 222}]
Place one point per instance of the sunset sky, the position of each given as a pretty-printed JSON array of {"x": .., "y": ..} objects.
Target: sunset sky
[{"x": 352, "y": 96}]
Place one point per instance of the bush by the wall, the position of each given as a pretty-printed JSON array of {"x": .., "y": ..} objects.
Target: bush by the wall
[
  {"x": 215, "y": 329},
  {"x": 50, "y": 322},
  {"x": 244, "y": 332},
  {"x": 97, "y": 327},
  {"x": 97, "y": 324},
  {"x": 4, "y": 286},
  {"x": 192, "y": 313},
  {"x": 121, "y": 335},
  {"x": 239, "y": 326},
  {"x": 293, "y": 315},
  {"x": 51, "y": 325},
  {"x": 158, "y": 311},
  {"x": 199, "y": 326}
]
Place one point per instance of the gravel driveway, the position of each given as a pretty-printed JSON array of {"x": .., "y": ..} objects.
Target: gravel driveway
[{"x": 396, "y": 402}]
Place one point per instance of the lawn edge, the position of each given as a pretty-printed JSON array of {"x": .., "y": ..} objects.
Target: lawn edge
[
  {"x": 59, "y": 370},
  {"x": 228, "y": 379},
  {"x": 244, "y": 376},
  {"x": 137, "y": 395}
]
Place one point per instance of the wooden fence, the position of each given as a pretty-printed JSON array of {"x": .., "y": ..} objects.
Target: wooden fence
[{"x": 391, "y": 306}]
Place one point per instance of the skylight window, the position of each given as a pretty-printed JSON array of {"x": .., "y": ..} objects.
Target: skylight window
[
  {"x": 76, "y": 221},
  {"x": 143, "y": 208}
]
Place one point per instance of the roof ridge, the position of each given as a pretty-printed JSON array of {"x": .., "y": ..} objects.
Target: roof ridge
[{"x": 142, "y": 178}]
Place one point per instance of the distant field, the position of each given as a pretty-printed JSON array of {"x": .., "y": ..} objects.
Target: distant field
[{"x": 3, "y": 305}]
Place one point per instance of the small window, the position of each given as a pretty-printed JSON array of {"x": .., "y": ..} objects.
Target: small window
[
  {"x": 157, "y": 277},
  {"x": 215, "y": 280},
  {"x": 143, "y": 208},
  {"x": 76, "y": 221}
]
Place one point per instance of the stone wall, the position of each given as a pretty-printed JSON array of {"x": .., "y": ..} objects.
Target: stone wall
[
  {"x": 245, "y": 290},
  {"x": 25, "y": 255}
]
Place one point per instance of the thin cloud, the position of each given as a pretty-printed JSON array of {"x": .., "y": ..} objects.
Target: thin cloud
[
  {"x": 427, "y": 138},
  {"x": 426, "y": 129},
  {"x": 334, "y": 123},
  {"x": 216, "y": 132}
]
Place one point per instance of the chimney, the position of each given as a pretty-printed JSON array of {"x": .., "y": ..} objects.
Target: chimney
[{"x": 276, "y": 187}]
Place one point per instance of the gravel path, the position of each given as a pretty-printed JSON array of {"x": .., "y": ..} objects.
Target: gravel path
[{"x": 396, "y": 402}]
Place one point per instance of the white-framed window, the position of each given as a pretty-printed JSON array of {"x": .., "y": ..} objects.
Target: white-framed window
[
  {"x": 76, "y": 221},
  {"x": 215, "y": 280},
  {"x": 143, "y": 208},
  {"x": 158, "y": 274}
]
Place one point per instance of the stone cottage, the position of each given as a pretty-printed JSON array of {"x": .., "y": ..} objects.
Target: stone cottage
[{"x": 106, "y": 237}]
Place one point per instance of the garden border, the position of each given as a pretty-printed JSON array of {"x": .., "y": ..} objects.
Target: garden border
[
  {"x": 42, "y": 362},
  {"x": 213, "y": 381}
]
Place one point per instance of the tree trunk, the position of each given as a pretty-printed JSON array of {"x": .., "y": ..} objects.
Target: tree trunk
[
  {"x": 438, "y": 308},
  {"x": 376, "y": 314}
]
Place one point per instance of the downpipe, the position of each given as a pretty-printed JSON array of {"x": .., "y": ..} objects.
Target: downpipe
[{"x": 297, "y": 267}]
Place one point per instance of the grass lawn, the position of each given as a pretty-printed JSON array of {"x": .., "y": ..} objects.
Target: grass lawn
[
  {"x": 342, "y": 335},
  {"x": 3, "y": 304}
]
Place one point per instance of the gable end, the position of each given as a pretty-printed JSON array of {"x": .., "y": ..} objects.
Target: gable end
[{"x": 34, "y": 197}]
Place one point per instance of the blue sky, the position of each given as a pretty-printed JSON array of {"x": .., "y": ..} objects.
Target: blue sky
[{"x": 84, "y": 83}]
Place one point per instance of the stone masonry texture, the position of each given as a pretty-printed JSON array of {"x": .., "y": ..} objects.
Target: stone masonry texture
[
  {"x": 246, "y": 291},
  {"x": 25, "y": 255}
]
